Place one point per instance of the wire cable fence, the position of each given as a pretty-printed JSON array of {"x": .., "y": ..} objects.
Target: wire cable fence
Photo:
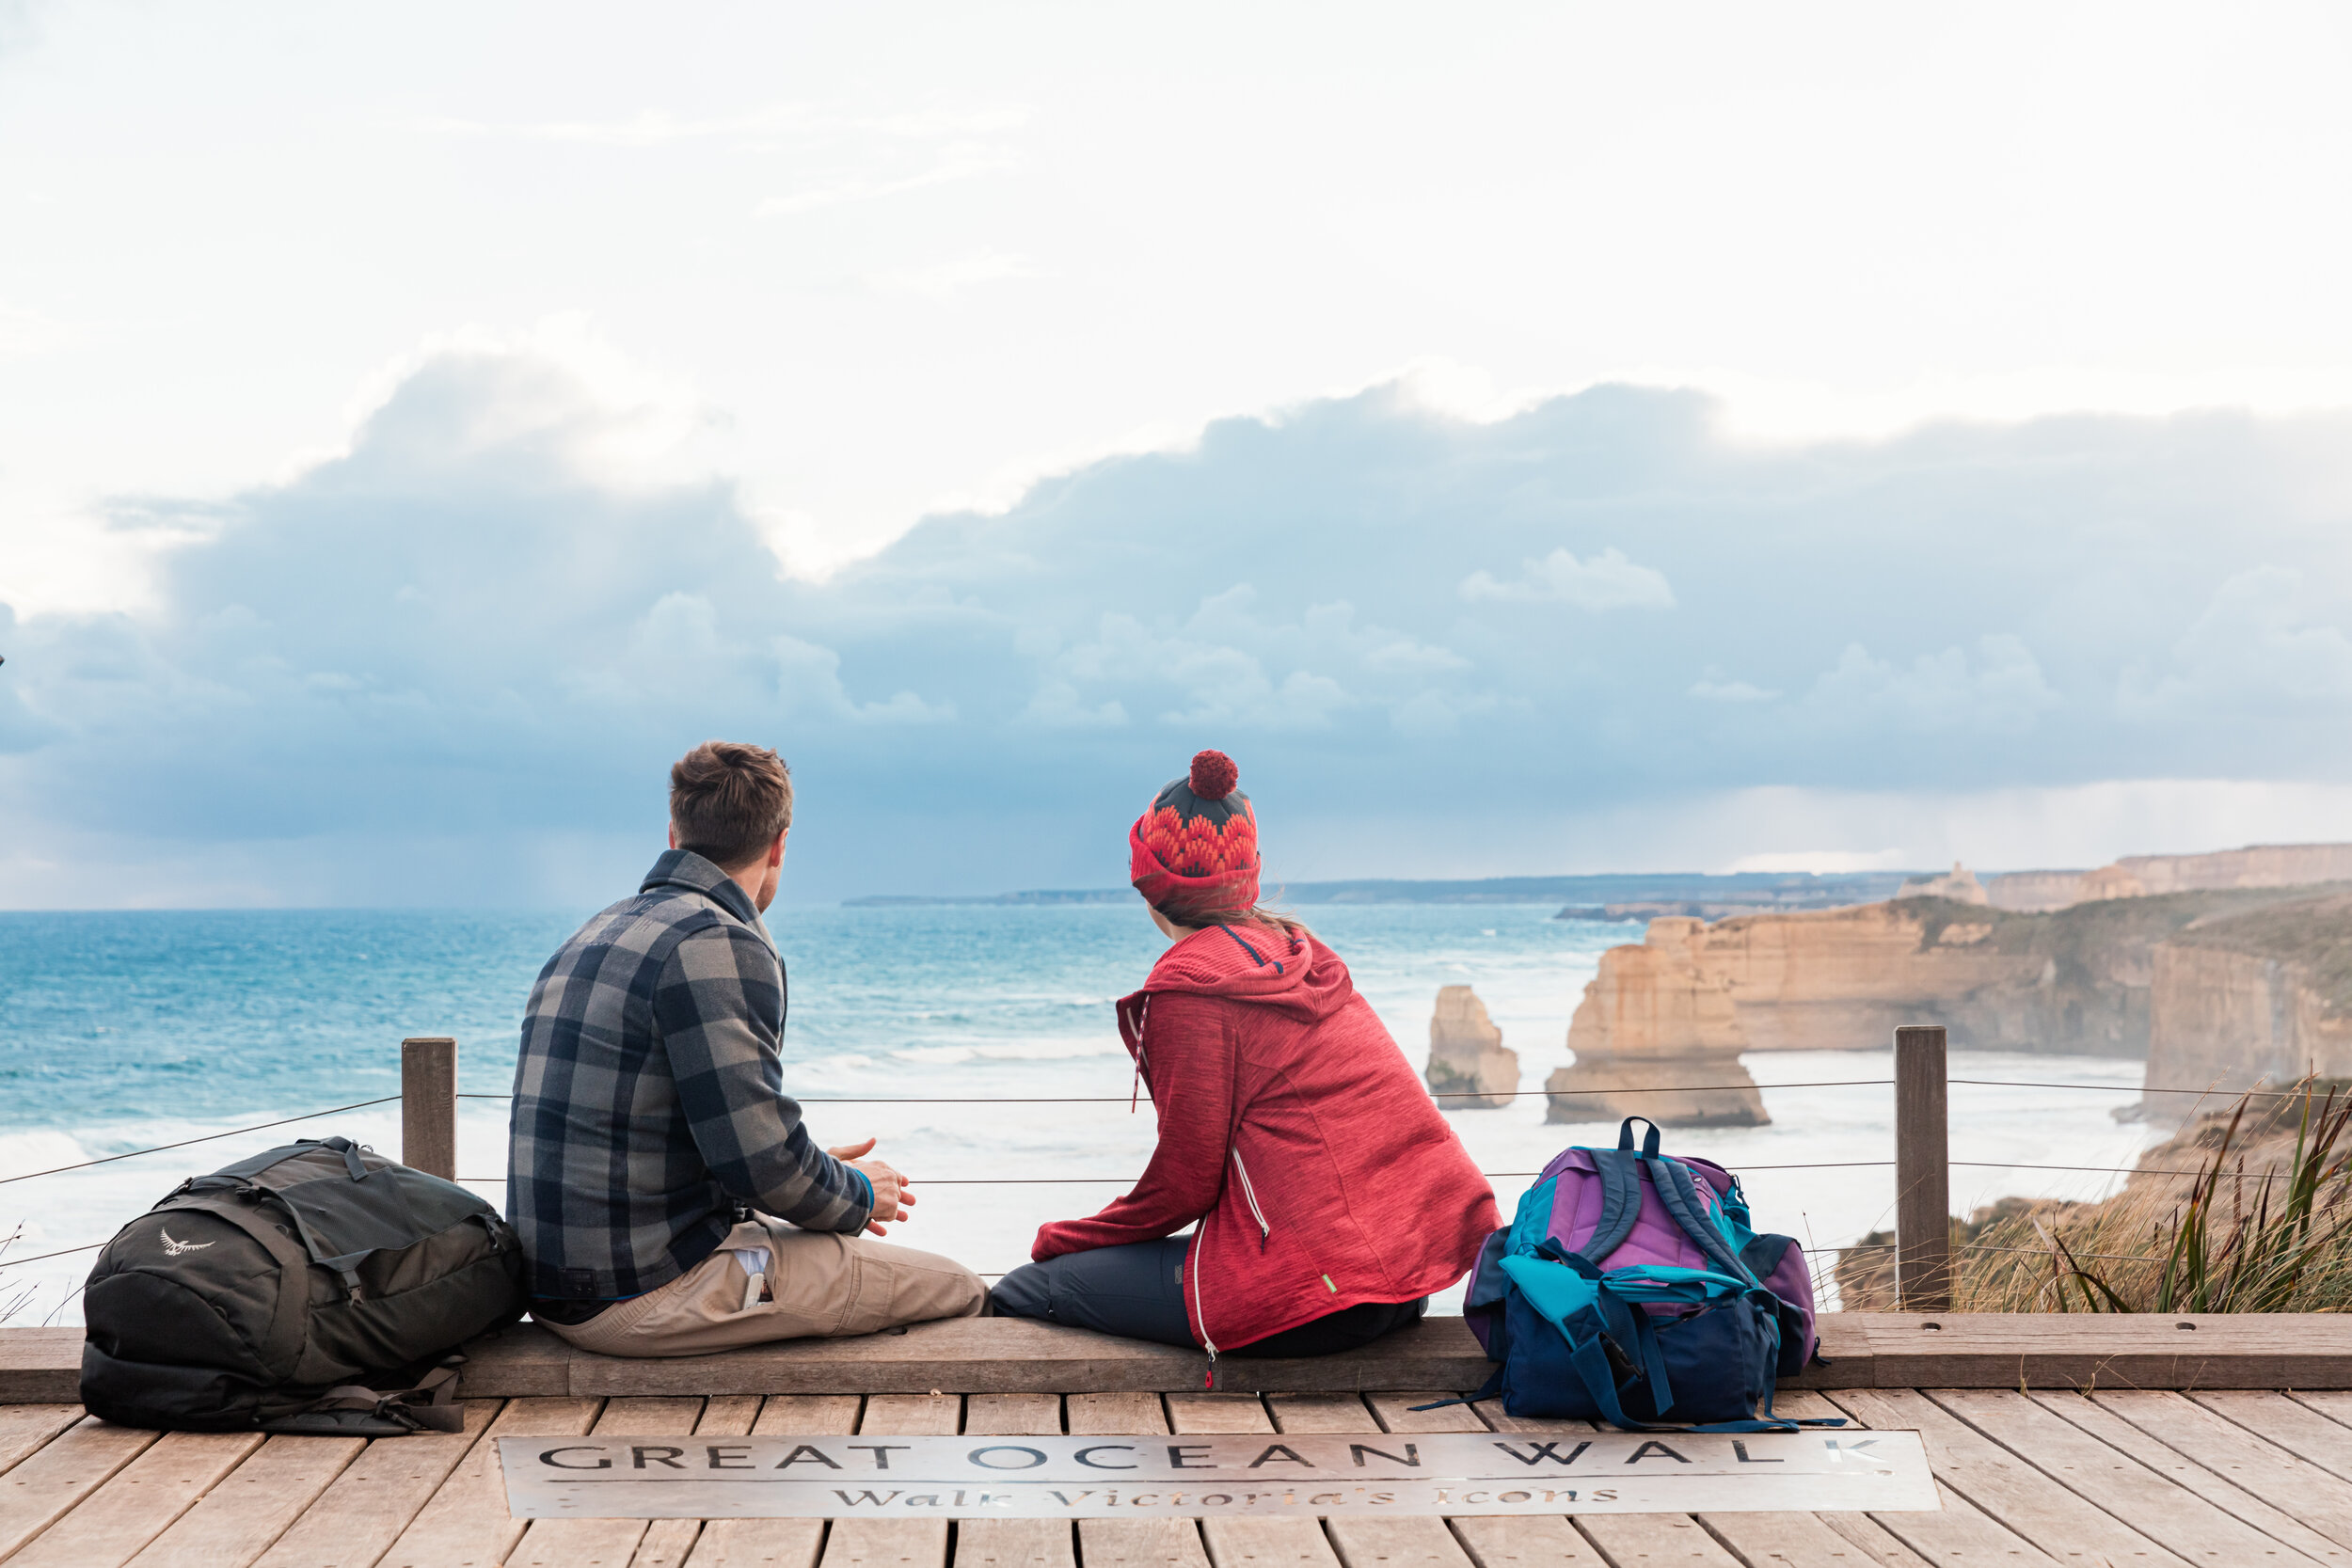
[
  {"x": 1130, "y": 1181},
  {"x": 1433, "y": 1094},
  {"x": 1121, "y": 1100},
  {"x": 208, "y": 1137},
  {"x": 1515, "y": 1094}
]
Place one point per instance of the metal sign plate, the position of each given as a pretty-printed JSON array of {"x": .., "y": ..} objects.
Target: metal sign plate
[{"x": 1299, "y": 1475}]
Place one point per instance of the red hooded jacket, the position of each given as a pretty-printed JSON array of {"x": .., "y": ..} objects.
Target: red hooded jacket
[{"x": 1294, "y": 1131}]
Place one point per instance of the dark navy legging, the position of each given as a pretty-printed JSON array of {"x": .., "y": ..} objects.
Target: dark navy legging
[{"x": 1137, "y": 1291}]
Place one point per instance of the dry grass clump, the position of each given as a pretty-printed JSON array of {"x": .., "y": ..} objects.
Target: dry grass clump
[
  {"x": 14, "y": 1298},
  {"x": 2264, "y": 1225}
]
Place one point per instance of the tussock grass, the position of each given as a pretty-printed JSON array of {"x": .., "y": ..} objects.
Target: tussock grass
[{"x": 2264, "y": 1225}]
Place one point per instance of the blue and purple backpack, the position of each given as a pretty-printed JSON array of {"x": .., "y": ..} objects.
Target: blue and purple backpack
[{"x": 1630, "y": 1288}]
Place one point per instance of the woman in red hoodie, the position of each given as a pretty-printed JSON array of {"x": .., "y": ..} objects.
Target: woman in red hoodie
[{"x": 1328, "y": 1196}]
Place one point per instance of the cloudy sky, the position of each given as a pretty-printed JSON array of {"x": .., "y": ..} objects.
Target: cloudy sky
[{"x": 1543, "y": 439}]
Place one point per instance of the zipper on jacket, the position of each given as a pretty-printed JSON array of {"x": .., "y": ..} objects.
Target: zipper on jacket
[
  {"x": 1266, "y": 1232},
  {"x": 1199, "y": 1310}
]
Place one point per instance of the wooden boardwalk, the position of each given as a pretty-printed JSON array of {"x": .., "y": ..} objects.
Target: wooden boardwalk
[{"x": 2154, "y": 1478}]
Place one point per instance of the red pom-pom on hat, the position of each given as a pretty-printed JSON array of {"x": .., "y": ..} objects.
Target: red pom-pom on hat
[{"x": 1213, "y": 775}]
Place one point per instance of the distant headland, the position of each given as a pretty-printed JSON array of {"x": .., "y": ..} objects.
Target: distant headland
[{"x": 1633, "y": 895}]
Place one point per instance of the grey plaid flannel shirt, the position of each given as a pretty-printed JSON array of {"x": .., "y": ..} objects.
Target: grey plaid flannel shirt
[{"x": 649, "y": 1096}]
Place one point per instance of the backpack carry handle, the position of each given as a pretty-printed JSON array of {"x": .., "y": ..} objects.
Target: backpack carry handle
[{"x": 1649, "y": 1141}]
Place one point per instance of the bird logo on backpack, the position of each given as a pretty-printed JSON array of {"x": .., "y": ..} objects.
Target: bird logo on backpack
[{"x": 1630, "y": 1288}]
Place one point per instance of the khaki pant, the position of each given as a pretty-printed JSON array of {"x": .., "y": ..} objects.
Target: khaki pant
[{"x": 823, "y": 1284}]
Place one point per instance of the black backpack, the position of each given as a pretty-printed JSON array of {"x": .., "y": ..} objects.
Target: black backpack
[{"x": 269, "y": 1293}]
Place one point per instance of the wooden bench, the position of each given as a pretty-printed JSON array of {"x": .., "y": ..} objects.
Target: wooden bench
[{"x": 1011, "y": 1355}]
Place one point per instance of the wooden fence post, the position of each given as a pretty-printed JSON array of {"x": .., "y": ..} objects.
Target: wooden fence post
[
  {"x": 1923, "y": 1176},
  {"x": 428, "y": 1105}
]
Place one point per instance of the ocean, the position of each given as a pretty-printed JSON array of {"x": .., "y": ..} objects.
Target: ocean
[{"x": 976, "y": 1042}]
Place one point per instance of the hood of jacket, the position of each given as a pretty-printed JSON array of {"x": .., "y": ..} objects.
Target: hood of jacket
[{"x": 1260, "y": 964}]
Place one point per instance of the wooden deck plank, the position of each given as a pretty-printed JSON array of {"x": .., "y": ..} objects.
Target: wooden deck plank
[
  {"x": 605, "y": 1542},
  {"x": 1776, "y": 1540},
  {"x": 2334, "y": 1404},
  {"x": 2293, "y": 1425},
  {"x": 355, "y": 1520},
  {"x": 1396, "y": 1413},
  {"x": 1113, "y": 1415},
  {"x": 729, "y": 1415},
  {"x": 109, "y": 1526},
  {"x": 1014, "y": 1542},
  {"x": 246, "y": 1512},
  {"x": 896, "y": 1543},
  {"x": 2286, "y": 1482},
  {"x": 43, "y": 1488},
  {"x": 1544, "y": 1541},
  {"x": 1637, "y": 1540},
  {"x": 1246, "y": 1543},
  {"x": 1142, "y": 1544},
  {"x": 465, "y": 1523},
  {"x": 668, "y": 1543},
  {"x": 1402, "y": 1542},
  {"x": 1495, "y": 1419},
  {"x": 2023, "y": 1500},
  {"x": 1266, "y": 1544},
  {"x": 1629, "y": 1538},
  {"x": 1757, "y": 1537},
  {"x": 807, "y": 1414},
  {"x": 1012, "y": 1414},
  {"x": 2114, "y": 1480},
  {"x": 1855, "y": 1530},
  {"x": 777, "y": 1543},
  {"x": 2121, "y": 1435},
  {"x": 1209, "y": 1414},
  {"x": 24, "y": 1428},
  {"x": 1130, "y": 1542},
  {"x": 1321, "y": 1412},
  {"x": 1960, "y": 1534},
  {"x": 1877, "y": 1546},
  {"x": 1407, "y": 1542}
]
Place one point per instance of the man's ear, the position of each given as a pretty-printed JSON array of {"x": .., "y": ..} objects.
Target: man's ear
[
  {"x": 672, "y": 835},
  {"x": 775, "y": 850}
]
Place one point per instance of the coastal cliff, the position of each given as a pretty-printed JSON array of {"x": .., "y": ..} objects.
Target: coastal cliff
[
  {"x": 2262, "y": 996},
  {"x": 2257, "y": 866},
  {"x": 1470, "y": 1068},
  {"x": 1658, "y": 1036},
  {"x": 2082, "y": 980}
]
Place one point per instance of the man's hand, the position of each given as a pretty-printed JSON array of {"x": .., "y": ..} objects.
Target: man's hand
[{"x": 890, "y": 1188}]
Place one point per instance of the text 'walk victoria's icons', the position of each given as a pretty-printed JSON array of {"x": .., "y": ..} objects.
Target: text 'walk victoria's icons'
[{"x": 1291, "y": 1474}]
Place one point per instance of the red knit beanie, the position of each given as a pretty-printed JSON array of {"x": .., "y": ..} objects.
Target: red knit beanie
[{"x": 1195, "y": 850}]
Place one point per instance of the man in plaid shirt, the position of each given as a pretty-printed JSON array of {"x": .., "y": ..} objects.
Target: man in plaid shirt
[{"x": 668, "y": 1196}]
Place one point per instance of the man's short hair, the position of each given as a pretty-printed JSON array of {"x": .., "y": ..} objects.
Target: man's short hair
[{"x": 728, "y": 800}]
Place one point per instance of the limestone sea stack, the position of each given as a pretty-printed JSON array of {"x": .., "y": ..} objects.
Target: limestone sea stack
[
  {"x": 1655, "y": 1036},
  {"x": 1467, "y": 1064}
]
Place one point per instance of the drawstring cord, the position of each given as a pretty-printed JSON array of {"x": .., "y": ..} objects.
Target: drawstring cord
[{"x": 1135, "y": 1091}]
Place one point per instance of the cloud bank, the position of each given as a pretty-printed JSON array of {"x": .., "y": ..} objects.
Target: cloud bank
[{"x": 451, "y": 664}]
